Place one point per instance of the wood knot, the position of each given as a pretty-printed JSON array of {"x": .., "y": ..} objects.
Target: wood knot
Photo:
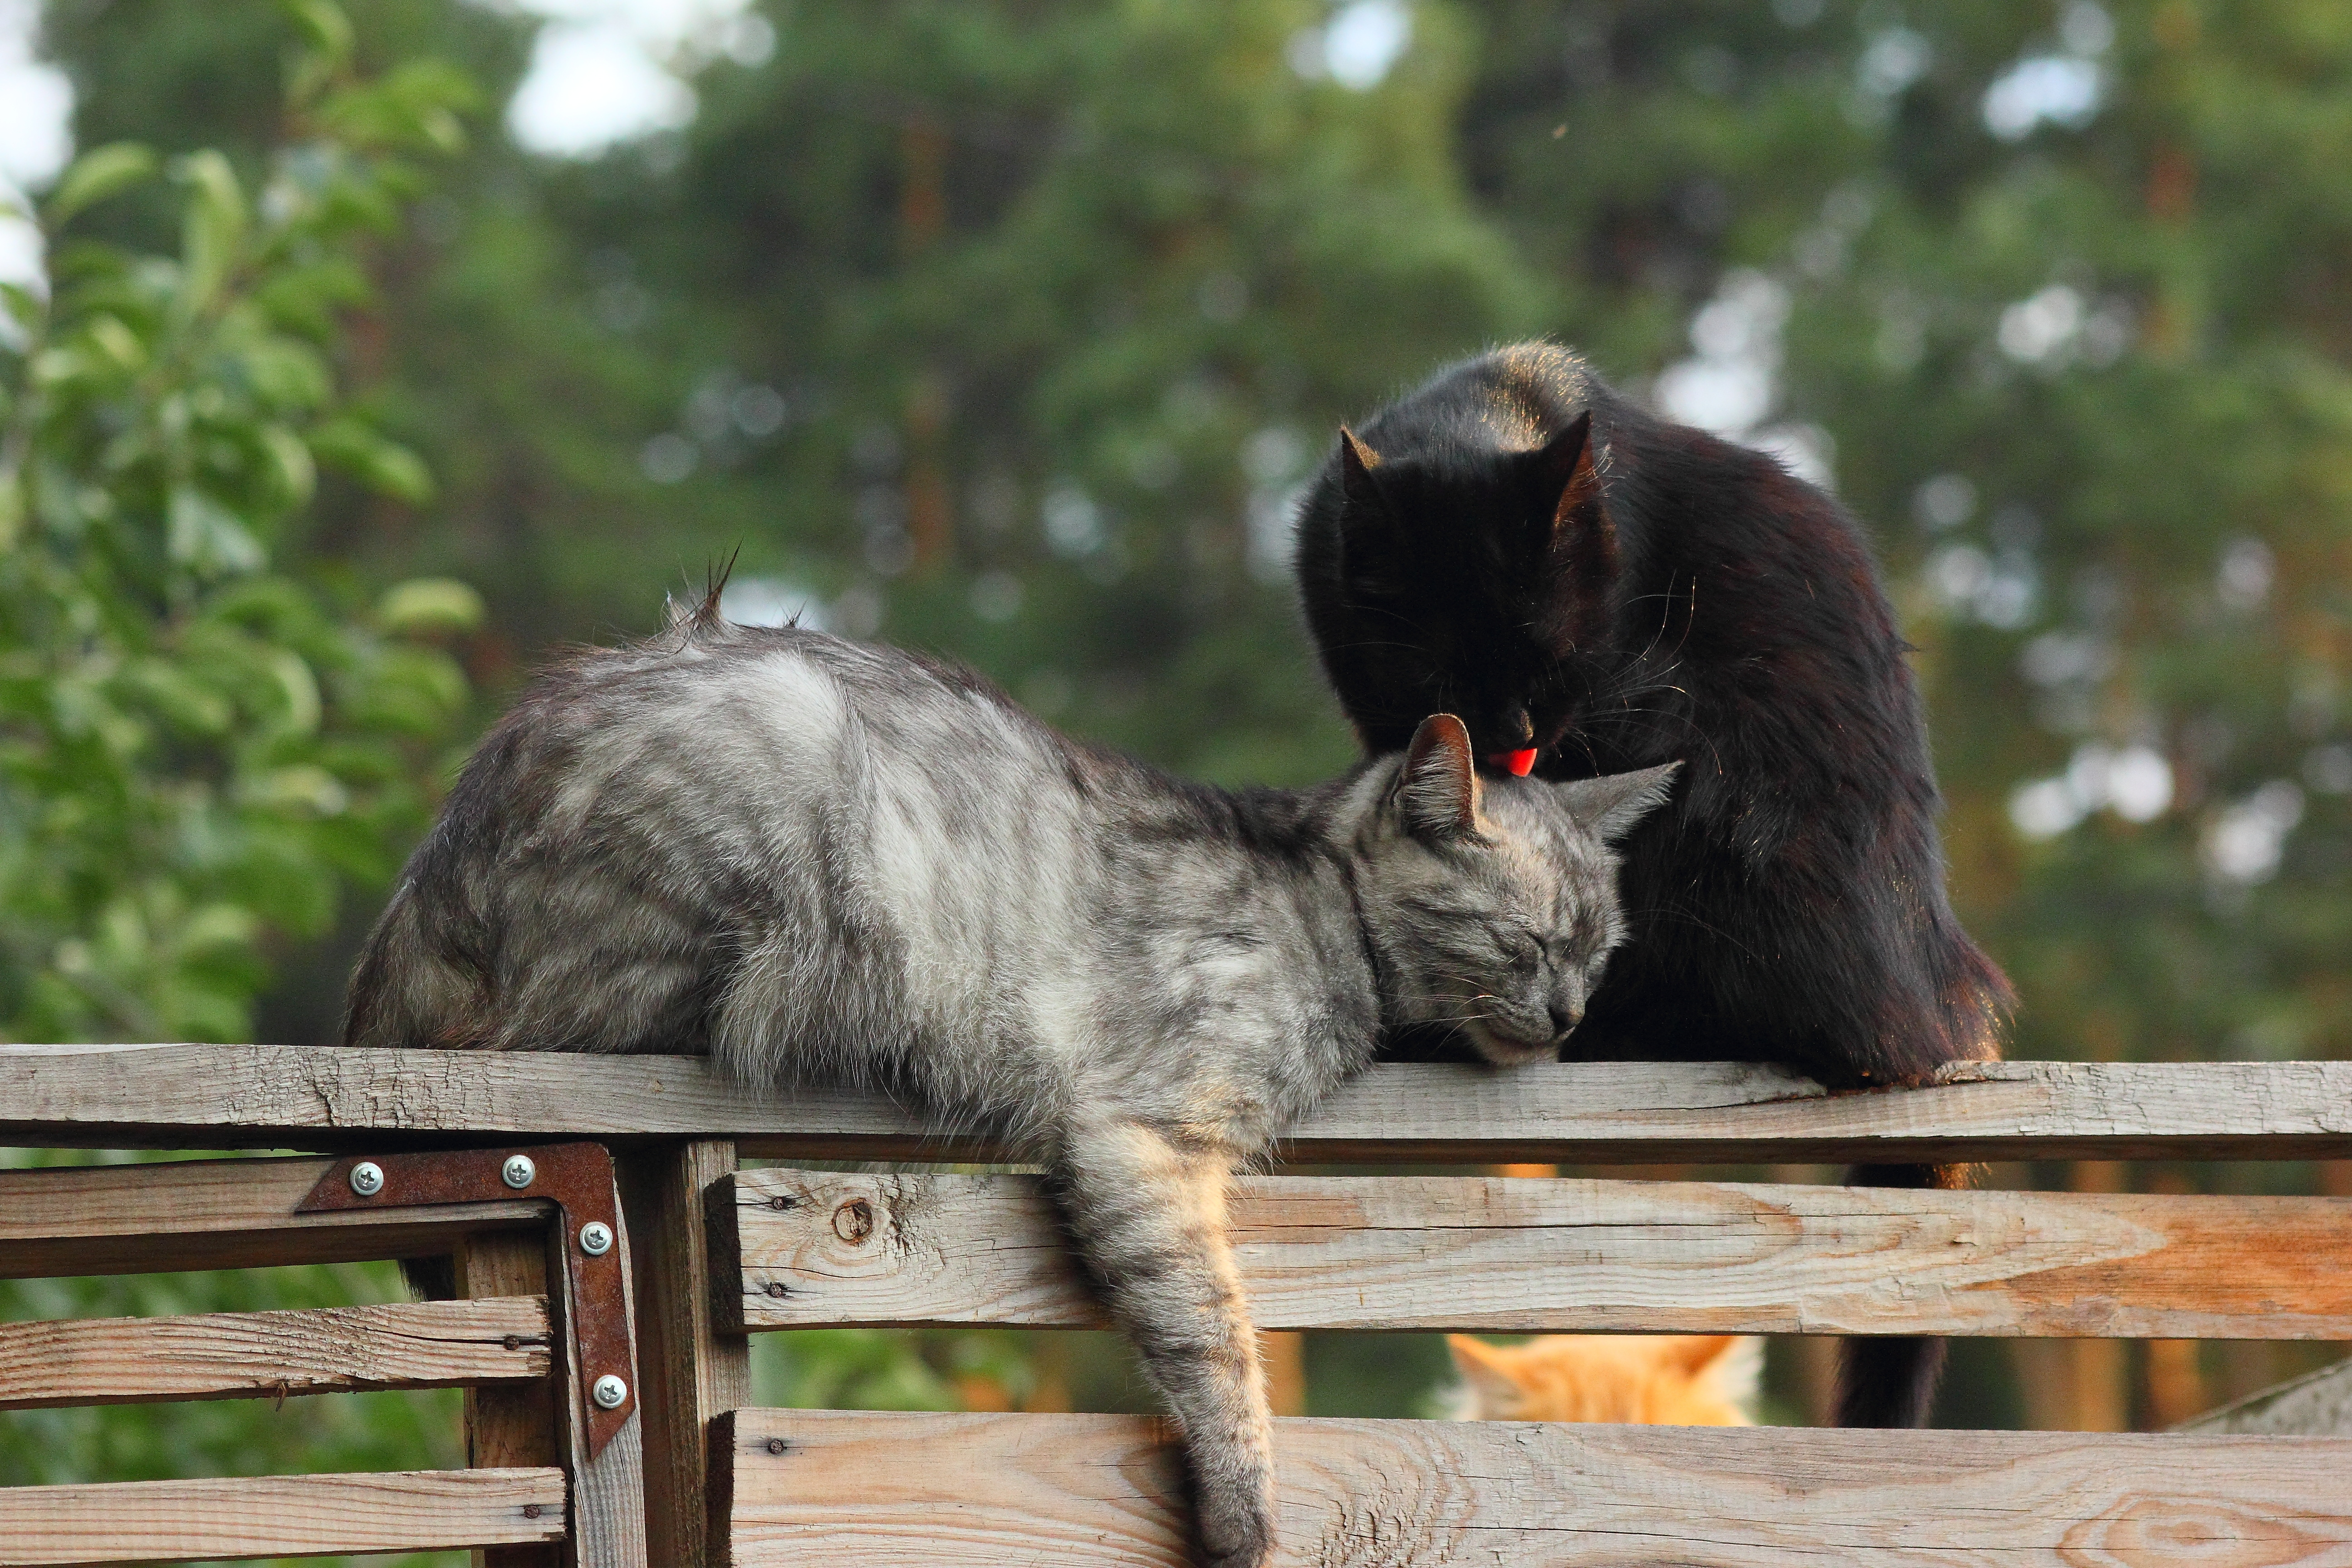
[{"x": 854, "y": 1221}]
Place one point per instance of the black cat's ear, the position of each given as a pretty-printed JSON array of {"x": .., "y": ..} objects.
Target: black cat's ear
[
  {"x": 1607, "y": 807},
  {"x": 1568, "y": 483},
  {"x": 1437, "y": 791},
  {"x": 1357, "y": 462}
]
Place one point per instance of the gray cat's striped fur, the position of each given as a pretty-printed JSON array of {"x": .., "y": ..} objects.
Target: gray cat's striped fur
[{"x": 821, "y": 860}]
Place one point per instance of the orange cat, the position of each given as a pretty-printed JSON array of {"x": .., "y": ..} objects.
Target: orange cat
[{"x": 1660, "y": 1380}]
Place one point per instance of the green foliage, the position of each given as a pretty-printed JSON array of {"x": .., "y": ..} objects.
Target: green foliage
[{"x": 196, "y": 751}]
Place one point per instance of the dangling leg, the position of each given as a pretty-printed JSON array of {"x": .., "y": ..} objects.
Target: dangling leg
[{"x": 1150, "y": 1216}]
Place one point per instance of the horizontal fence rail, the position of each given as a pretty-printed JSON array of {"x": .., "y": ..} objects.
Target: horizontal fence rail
[
  {"x": 294, "y": 1096},
  {"x": 212, "y": 1214},
  {"x": 280, "y": 1516},
  {"x": 820, "y": 1249},
  {"x": 855, "y": 1490},
  {"x": 247, "y": 1355}
]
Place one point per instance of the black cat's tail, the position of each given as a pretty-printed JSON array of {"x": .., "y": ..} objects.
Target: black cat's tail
[{"x": 1891, "y": 1380}]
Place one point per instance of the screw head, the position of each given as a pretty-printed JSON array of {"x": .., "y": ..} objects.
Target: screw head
[
  {"x": 609, "y": 1392},
  {"x": 518, "y": 1171},
  {"x": 595, "y": 1238},
  {"x": 775, "y": 1445},
  {"x": 367, "y": 1178}
]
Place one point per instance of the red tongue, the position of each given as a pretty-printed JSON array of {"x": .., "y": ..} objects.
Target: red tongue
[{"x": 1518, "y": 763}]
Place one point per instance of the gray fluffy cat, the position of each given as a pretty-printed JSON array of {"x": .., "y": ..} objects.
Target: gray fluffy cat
[{"x": 822, "y": 860}]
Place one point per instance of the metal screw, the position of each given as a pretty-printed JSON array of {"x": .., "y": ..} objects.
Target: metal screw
[
  {"x": 531, "y": 1511},
  {"x": 367, "y": 1178},
  {"x": 514, "y": 1341},
  {"x": 775, "y": 1445},
  {"x": 609, "y": 1392},
  {"x": 518, "y": 1171},
  {"x": 595, "y": 1238},
  {"x": 776, "y": 1289}
]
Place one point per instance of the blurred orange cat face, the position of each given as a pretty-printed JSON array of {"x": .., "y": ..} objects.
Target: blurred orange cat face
[{"x": 1658, "y": 1380}]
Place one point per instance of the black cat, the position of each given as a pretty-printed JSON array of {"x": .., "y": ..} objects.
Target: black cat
[{"x": 1595, "y": 589}]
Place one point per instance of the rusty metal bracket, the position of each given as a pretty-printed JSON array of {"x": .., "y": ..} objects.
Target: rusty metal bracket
[{"x": 577, "y": 1178}]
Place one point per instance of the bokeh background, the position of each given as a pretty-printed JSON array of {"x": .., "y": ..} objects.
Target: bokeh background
[{"x": 435, "y": 337}]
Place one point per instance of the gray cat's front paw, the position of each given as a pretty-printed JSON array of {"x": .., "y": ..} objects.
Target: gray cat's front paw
[{"x": 1236, "y": 1538}]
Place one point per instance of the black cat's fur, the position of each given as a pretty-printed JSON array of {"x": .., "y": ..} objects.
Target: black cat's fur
[{"x": 1517, "y": 543}]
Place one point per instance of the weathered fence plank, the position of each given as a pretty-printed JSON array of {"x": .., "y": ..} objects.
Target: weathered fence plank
[
  {"x": 278, "y": 1516},
  {"x": 231, "y": 1355},
  {"x": 1524, "y": 1256},
  {"x": 512, "y": 1423},
  {"x": 280, "y": 1096},
  {"x": 854, "y": 1490},
  {"x": 690, "y": 1372},
  {"x": 212, "y": 1214}
]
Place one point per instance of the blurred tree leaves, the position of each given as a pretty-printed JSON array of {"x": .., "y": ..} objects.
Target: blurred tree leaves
[{"x": 198, "y": 752}]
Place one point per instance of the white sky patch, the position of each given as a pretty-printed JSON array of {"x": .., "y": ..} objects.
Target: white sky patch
[
  {"x": 2064, "y": 87},
  {"x": 607, "y": 71},
  {"x": 2036, "y": 328},
  {"x": 35, "y": 138},
  {"x": 2244, "y": 843},
  {"x": 770, "y": 602},
  {"x": 602, "y": 71},
  {"x": 591, "y": 84},
  {"x": 35, "y": 101},
  {"x": 1358, "y": 47},
  {"x": 2134, "y": 782},
  {"x": 1729, "y": 385}
]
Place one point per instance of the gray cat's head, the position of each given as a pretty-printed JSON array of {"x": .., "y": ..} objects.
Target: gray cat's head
[{"x": 1492, "y": 903}]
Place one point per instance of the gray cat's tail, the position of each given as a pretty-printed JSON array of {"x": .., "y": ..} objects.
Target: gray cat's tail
[{"x": 1891, "y": 1380}]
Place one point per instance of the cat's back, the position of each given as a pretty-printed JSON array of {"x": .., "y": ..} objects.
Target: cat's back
[
  {"x": 742, "y": 720},
  {"x": 660, "y": 799}
]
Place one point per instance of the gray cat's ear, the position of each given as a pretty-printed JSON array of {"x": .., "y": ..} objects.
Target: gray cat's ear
[
  {"x": 1437, "y": 791},
  {"x": 1606, "y": 807},
  {"x": 1357, "y": 462}
]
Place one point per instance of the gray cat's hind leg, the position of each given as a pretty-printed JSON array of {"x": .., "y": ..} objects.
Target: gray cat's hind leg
[{"x": 1150, "y": 1217}]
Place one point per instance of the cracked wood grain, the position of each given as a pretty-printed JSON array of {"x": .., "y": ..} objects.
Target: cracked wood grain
[
  {"x": 322, "y": 1098},
  {"x": 273, "y": 1516},
  {"x": 248, "y": 1355},
  {"x": 1505, "y": 1255},
  {"x": 857, "y": 1490}
]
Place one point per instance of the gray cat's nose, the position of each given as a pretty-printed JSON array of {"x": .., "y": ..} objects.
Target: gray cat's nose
[{"x": 1565, "y": 1019}]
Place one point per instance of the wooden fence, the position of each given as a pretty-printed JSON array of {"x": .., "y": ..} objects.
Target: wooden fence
[{"x": 681, "y": 1471}]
